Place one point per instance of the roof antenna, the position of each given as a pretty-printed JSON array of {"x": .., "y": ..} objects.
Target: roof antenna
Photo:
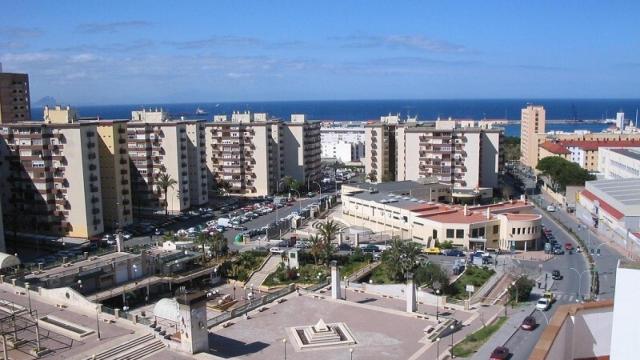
[{"x": 636, "y": 117}]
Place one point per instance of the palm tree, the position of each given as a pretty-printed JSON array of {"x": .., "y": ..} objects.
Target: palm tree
[
  {"x": 401, "y": 257},
  {"x": 372, "y": 177},
  {"x": 223, "y": 186},
  {"x": 165, "y": 182},
  {"x": 203, "y": 240},
  {"x": 328, "y": 229},
  {"x": 316, "y": 248},
  {"x": 218, "y": 243}
]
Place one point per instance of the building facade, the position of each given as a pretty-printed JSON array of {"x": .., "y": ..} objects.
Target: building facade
[
  {"x": 15, "y": 102},
  {"x": 582, "y": 152},
  {"x": 620, "y": 163},
  {"x": 463, "y": 155},
  {"x": 381, "y": 149},
  {"x": 158, "y": 148},
  {"x": 410, "y": 215},
  {"x": 301, "y": 149},
  {"x": 115, "y": 175},
  {"x": 3, "y": 246},
  {"x": 532, "y": 122},
  {"x": 243, "y": 154},
  {"x": 51, "y": 177},
  {"x": 344, "y": 142}
]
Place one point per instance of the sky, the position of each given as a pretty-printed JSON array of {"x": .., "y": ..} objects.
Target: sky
[{"x": 129, "y": 52}]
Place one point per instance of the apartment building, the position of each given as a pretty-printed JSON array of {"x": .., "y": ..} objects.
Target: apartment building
[
  {"x": 462, "y": 154},
  {"x": 3, "y": 246},
  {"x": 623, "y": 163},
  {"x": 115, "y": 175},
  {"x": 380, "y": 149},
  {"x": 198, "y": 174},
  {"x": 50, "y": 176},
  {"x": 410, "y": 211},
  {"x": 244, "y": 152},
  {"x": 15, "y": 103},
  {"x": 343, "y": 141},
  {"x": 158, "y": 147},
  {"x": 582, "y": 152},
  {"x": 301, "y": 149},
  {"x": 532, "y": 122}
]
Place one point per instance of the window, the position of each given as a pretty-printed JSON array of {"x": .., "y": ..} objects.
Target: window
[
  {"x": 481, "y": 232},
  {"x": 449, "y": 233},
  {"x": 459, "y": 233},
  {"x": 435, "y": 234},
  {"x": 513, "y": 231},
  {"x": 474, "y": 233}
]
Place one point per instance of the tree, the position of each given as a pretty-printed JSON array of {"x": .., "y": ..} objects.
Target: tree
[
  {"x": 372, "y": 176},
  {"x": 165, "y": 182},
  {"x": 328, "y": 229},
  {"x": 315, "y": 249},
  {"x": 447, "y": 244},
  {"x": 507, "y": 191},
  {"x": 401, "y": 258},
  {"x": 511, "y": 147},
  {"x": 219, "y": 244},
  {"x": 427, "y": 274},
  {"x": 203, "y": 240},
  {"x": 223, "y": 186},
  {"x": 521, "y": 290},
  {"x": 562, "y": 172}
]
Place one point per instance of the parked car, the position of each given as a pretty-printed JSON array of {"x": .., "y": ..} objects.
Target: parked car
[
  {"x": 543, "y": 304},
  {"x": 551, "y": 208},
  {"x": 276, "y": 250},
  {"x": 568, "y": 246},
  {"x": 555, "y": 275},
  {"x": 558, "y": 251},
  {"x": 432, "y": 251},
  {"x": 529, "y": 323},
  {"x": 454, "y": 252},
  {"x": 500, "y": 353}
]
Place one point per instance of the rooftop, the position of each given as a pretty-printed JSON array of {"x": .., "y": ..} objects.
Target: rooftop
[
  {"x": 623, "y": 191},
  {"x": 633, "y": 153},
  {"x": 562, "y": 146}
]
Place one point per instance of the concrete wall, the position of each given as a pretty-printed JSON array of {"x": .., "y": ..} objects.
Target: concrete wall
[
  {"x": 3, "y": 247},
  {"x": 624, "y": 337},
  {"x": 592, "y": 333}
]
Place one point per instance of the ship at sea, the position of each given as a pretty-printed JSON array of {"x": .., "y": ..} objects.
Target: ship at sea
[{"x": 199, "y": 111}]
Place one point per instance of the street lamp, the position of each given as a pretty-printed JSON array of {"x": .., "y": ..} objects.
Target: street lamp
[
  {"x": 26, "y": 286},
  {"x": 452, "y": 327},
  {"x": 579, "y": 274},
  {"x": 350, "y": 353},
  {"x": 98, "y": 319},
  {"x": 437, "y": 286},
  {"x": 437, "y": 348},
  {"x": 284, "y": 342},
  {"x": 345, "y": 288}
]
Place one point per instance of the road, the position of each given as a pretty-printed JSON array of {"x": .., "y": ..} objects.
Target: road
[
  {"x": 231, "y": 233},
  {"x": 567, "y": 289}
]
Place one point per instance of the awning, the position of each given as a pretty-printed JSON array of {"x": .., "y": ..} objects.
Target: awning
[{"x": 8, "y": 261}]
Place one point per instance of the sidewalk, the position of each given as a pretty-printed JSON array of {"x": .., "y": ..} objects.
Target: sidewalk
[
  {"x": 512, "y": 324},
  {"x": 260, "y": 276}
]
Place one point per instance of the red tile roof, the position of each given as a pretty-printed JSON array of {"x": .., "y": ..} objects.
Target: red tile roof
[
  {"x": 603, "y": 204},
  {"x": 561, "y": 147},
  {"x": 454, "y": 214}
]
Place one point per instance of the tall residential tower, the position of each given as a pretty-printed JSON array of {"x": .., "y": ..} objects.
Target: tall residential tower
[{"x": 532, "y": 123}]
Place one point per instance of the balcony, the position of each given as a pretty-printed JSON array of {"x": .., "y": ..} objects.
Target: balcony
[
  {"x": 124, "y": 182},
  {"x": 125, "y": 201},
  {"x": 92, "y": 167},
  {"x": 94, "y": 200},
  {"x": 91, "y": 145},
  {"x": 93, "y": 178},
  {"x": 94, "y": 189},
  {"x": 123, "y": 161}
]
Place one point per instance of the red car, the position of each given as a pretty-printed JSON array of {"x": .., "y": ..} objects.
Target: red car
[
  {"x": 529, "y": 323},
  {"x": 500, "y": 353},
  {"x": 568, "y": 246}
]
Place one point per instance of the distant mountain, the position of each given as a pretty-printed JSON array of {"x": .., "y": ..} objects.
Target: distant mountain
[{"x": 47, "y": 100}]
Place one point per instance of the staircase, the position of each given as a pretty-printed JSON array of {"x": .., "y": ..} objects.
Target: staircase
[{"x": 138, "y": 348}]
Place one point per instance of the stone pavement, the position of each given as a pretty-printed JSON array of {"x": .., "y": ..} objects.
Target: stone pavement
[
  {"x": 260, "y": 276},
  {"x": 506, "y": 331}
]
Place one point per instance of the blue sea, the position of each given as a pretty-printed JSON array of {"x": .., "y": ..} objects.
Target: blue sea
[{"x": 359, "y": 110}]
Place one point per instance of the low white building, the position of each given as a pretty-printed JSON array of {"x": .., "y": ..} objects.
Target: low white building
[
  {"x": 622, "y": 163},
  {"x": 343, "y": 141}
]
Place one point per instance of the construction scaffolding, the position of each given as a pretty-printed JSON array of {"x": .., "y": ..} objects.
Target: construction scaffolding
[{"x": 19, "y": 330}]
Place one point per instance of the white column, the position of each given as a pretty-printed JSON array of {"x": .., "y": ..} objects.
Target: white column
[
  {"x": 410, "y": 293},
  {"x": 335, "y": 281}
]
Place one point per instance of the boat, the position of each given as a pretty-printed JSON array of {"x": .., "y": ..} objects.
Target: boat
[{"x": 199, "y": 111}]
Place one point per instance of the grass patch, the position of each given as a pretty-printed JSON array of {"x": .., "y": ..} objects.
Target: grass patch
[
  {"x": 474, "y": 341},
  {"x": 352, "y": 267},
  {"x": 475, "y": 276},
  {"x": 382, "y": 275}
]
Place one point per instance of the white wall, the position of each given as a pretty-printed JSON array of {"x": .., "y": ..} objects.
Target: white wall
[{"x": 624, "y": 335}]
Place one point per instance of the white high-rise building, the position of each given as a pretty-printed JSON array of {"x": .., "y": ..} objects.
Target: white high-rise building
[
  {"x": 620, "y": 120},
  {"x": 343, "y": 141}
]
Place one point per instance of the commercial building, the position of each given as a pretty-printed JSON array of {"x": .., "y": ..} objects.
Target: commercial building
[
  {"x": 458, "y": 153},
  {"x": 411, "y": 210},
  {"x": 380, "y": 149},
  {"x": 158, "y": 147},
  {"x": 50, "y": 176},
  {"x": 532, "y": 122},
  {"x": 622, "y": 163},
  {"x": 15, "y": 103},
  {"x": 612, "y": 206},
  {"x": 343, "y": 141},
  {"x": 244, "y": 152},
  {"x": 583, "y": 152},
  {"x": 301, "y": 150},
  {"x": 115, "y": 175}
]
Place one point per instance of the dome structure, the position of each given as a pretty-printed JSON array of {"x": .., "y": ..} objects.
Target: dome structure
[
  {"x": 8, "y": 261},
  {"x": 167, "y": 309}
]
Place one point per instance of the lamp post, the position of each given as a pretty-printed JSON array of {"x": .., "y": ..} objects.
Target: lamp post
[
  {"x": 284, "y": 342},
  {"x": 26, "y": 286},
  {"x": 437, "y": 286},
  {"x": 437, "y": 348},
  {"x": 280, "y": 228},
  {"x": 98, "y": 320},
  {"x": 350, "y": 353},
  {"x": 452, "y": 327},
  {"x": 345, "y": 288},
  {"x": 299, "y": 200},
  {"x": 579, "y": 274}
]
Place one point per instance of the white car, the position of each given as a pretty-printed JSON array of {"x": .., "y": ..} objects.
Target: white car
[
  {"x": 276, "y": 250},
  {"x": 551, "y": 208},
  {"x": 543, "y": 304}
]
